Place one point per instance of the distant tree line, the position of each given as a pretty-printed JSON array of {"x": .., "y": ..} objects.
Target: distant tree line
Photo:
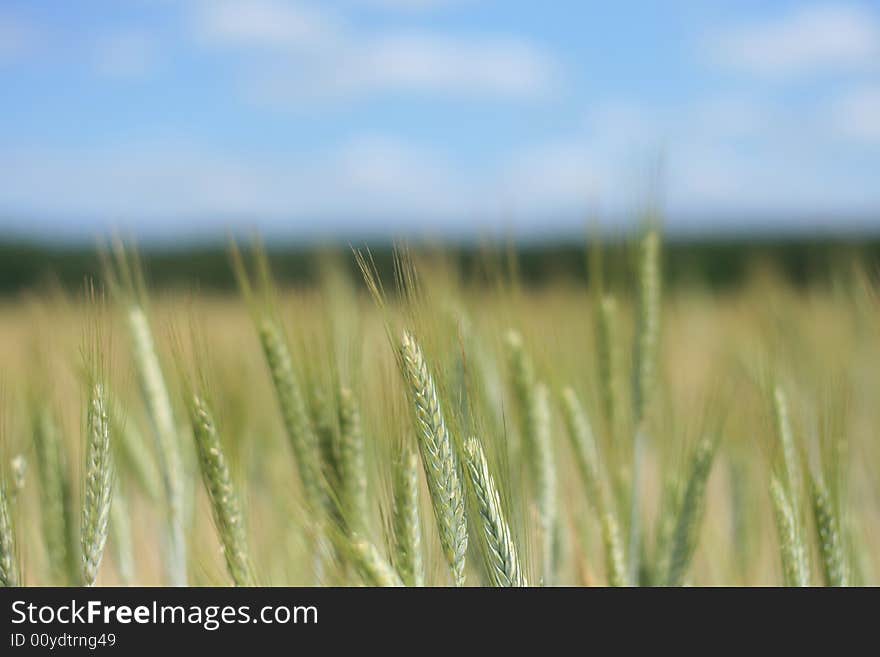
[{"x": 713, "y": 264}]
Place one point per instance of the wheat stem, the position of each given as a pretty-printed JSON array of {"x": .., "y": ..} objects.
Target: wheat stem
[{"x": 120, "y": 530}]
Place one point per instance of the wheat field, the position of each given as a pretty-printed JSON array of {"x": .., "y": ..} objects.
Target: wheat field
[{"x": 420, "y": 430}]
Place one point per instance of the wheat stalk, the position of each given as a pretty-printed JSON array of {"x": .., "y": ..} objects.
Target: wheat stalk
[
  {"x": 137, "y": 454},
  {"x": 439, "y": 458},
  {"x": 120, "y": 536},
  {"x": 499, "y": 550},
  {"x": 224, "y": 499},
  {"x": 406, "y": 522},
  {"x": 98, "y": 486}
]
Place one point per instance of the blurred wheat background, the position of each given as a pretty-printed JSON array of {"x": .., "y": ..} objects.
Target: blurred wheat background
[{"x": 762, "y": 368}]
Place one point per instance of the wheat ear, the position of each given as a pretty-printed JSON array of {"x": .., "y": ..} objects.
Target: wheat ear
[
  {"x": 374, "y": 568},
  {"x": 98, "y": 486},
  {"x": 406, "y": 521},
  {"x": 792, "y": 551},
  {"x": 297, "y": 423},
  {"x": 828, "y": 536},
  {"x": 587, "y": 457},
  {"x": 8, "y": 560},
  {"x": 785, "y": 435},
  {"x": 55, "y": 501},
  {"x": 647, "y": 343},
  {"x": 168, "y": 446},
  {"x": 610, "y": 366},
  {"x": 224, "y": 499},
  {"x": 648, "y": 319},
  {"x": 352, "y": 462},
  {"x": 791, "y": 486},
  {"x": 533, "y": 400},
  {"x": 439, "y": 458},
  {"x": 690, "y": 511},
  {"x": 499, "y": 550}
]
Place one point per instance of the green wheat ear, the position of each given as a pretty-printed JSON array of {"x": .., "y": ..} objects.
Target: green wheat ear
[
  {"x": 297, "y": 423},
  {"x": 352, "y": 463},
  {"x": 610, "y": 367},
  {"x": 499, "y": 550},
  {"x": 785, "y": 435},
  {"x": 56, "y": 504},
  {"x": 224, "y": 498},
  {"x": 168, "y": 446},
  {"x": 645, "y": 358},
  {"x": 828, "y": 536},
  {"x": 406, "y": 520},
  {"x": 8, "y": 561},
  {"x": 690, "y": 511},
  {"x": 587, "y": 457},
  {"x": 534, "y": 411},
  {"x": 792, "y": 551},
  {"x": 98, "y": 486},
  {"x": 648, "y": 329},
  {"x": 786, "y": 497},
  {"x": 374, "y": 568},
  {"x": 442, "y": 467}
]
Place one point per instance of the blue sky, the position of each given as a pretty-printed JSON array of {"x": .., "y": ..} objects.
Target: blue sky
[{"x": 182, "y": 118}]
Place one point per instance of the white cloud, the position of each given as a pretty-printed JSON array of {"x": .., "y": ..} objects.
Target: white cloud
[
  {"x": 551, "y": 178},
  {"x": 413, "y": 63},
  {"x": 316, "y": 56},
  {"x": 376, "y": 183},
  {"x": 126, "y": 54},
  {"x": 857, "y": 115},
  {"x": 265, "y": 24},
  {"x": 411, "y": 5},
  {"x": 160, "y": 185},
  {"x": 817, "y": 38}
]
